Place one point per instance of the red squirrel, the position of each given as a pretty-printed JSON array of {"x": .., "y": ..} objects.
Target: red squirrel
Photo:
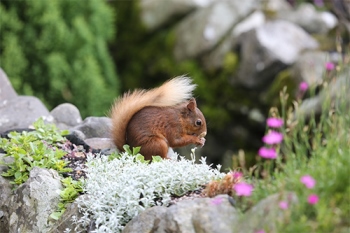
[{"x": 158, "y": 118}]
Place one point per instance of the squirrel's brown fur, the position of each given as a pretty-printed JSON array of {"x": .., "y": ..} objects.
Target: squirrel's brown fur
[{"x": 159, "y": 118}]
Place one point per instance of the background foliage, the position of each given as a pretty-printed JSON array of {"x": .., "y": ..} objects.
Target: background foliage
[{"x": 57, "y": 50}]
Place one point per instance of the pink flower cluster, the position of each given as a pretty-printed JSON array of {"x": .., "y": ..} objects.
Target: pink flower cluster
[
  {"x": 241, "y": 188},
  {"x": 309, "y": 183},
  {"x": 272, "y": 138},
  {"x": 330, "y": 66},
  {"x": 303, "y": 86}
]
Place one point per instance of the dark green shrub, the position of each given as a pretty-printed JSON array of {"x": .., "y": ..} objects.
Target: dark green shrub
[{"x": 57, "y": 51}]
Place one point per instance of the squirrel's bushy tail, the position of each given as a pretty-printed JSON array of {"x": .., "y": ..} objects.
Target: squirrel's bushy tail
[{"x": 172, "y": 92}]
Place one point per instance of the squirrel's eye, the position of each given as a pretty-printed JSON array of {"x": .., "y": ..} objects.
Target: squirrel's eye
[{"x": 198, "y": 122}]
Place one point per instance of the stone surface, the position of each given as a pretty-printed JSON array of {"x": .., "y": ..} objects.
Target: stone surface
[
  {"x": 310, "y": 67},
  {"x": 268, "y": 49},
  {"x": 202, "y": 30},
  {"x": 216, "y": 58},
  {"x": 336, "y": 89},
  {"x": 6, "y": 160},
  {"x": 66, "y": 116},
  {"x": 6, "y": 90},
  {"x": 147, "y": 221},
  {"x": 5, "y": 194},
  {"x": 265, "y": 214},
  {"x": 276, "y": 5},
  {"x": 307, "y": 17},
  {"x": 66, "y": 220},
  {"x": 21, "y": 112},
  {"x": 100, "y": 143},
  {"x": 93, "y": 127},
  {"x": 198, "y": 215},
  {"x": 155, "y": 13},
  {"x": 34, "y": 201}
]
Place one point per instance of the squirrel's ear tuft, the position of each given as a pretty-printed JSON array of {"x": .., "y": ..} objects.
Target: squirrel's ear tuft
[{"x": 192, "y": 104}]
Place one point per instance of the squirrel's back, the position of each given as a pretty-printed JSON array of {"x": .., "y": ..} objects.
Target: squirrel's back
[{"x": 172, "y": 92}]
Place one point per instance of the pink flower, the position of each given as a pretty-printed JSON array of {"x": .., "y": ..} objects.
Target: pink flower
[
  {"x": 267, "y": 153},
  {"x": 308, "y": 181},
  {"x": 236, "y": 175},
  {"x": 243, "y": 189},
  {"x": 303, "y": 86},
  {"x": 274, "y": 122},
  {"x": 283, "y": 205},
  {"x": 330, "y": 66},
  {"x": 273, "y": 138},
  {"x": 312, "y": 199},
  {"x": 260, "y": 231},
  {"x": 216, "y": 201}
]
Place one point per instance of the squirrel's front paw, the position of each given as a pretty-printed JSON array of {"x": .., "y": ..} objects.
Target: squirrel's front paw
[{"x": 201, "y": 142}]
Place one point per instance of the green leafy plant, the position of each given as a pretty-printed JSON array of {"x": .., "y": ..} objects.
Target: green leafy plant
[
  {"x": 71, "y": 191},
  {"x": 135, "y": 153},
  {"x": 34, "y": 149}
]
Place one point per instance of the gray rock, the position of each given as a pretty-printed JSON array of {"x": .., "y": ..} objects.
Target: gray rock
[
  {"x": 268, "y": 49},
  {"x": 6, "y": 90},
  {"x": 215, "y": 59},
  {"x": 198, "y": 215},
  {"x": 34, "y": 201},
  {"x": 93, "y": 127},
  {"x": 67, "y": 220},
  {"x": 310, "y": 67},
  {"x": 265, "y": 214},
  {"x": 66, "y": 116},
  {"x": 155, "y": 13},
  {"x": 276, "y": 5},
  {"x": 336, "y": 91},
  {"x": 101, "y": 143},
  {"x": 147, "y": 221},
  {"x": 6, "y": 160},
  {"x": 21, "y": 112},
  {"x": 202, "y": 30},
  {"x": 5, "y": 194},
  {"x": 307, "y": 17}
]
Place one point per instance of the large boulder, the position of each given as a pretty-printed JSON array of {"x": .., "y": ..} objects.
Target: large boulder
[
  {"x": 33, "y": 202},
  {"x": 205, "y": 215},
  {"x": 5, "y": 194},
  {"x": 215, "y": 59},
  {"x": 202, "y": 30},
  {"x": 66, "y": 116},
  {"x": 266, "y": 214},
  {"x": 155, "y": 13},
  {"x": 21, "y": 112},
  {"x": 336, "y": 91},
  {"x": 6, "y": 90},
  {"x": 310, "y": 67},
  {"x": 93, "y": 127},
  {"x": 311, "y": 20},
  {"x": 268, "y": 49}
]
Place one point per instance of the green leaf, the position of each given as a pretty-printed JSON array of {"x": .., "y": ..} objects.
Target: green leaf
[
  {"x": 127, "y": 149},
  {"x": 56, "y": 215},
  {"x": 135, "y": 150},
  {"x": 141, "y": 158},
  {"x": 156, "y": 159}
]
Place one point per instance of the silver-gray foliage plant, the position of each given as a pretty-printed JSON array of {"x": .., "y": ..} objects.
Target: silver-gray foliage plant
[{"x": 115, "y": 189}]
